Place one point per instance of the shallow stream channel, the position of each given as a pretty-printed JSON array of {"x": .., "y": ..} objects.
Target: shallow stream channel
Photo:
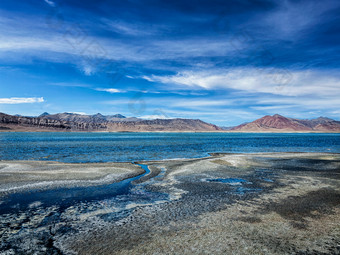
[{"x": 46, "y": 212}]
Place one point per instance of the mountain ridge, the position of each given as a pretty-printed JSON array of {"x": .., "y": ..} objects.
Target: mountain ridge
[
  {"x": 279, "y": 123},
  {"x": 99, "y": 122}
]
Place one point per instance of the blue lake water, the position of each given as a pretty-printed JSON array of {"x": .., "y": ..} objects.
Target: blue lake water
[{"x": 120, "y": 147}]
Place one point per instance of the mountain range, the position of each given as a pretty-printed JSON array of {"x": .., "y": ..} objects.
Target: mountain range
[
  {"x": 98, "y": 122},
  {"x": 119, "y": 123}
]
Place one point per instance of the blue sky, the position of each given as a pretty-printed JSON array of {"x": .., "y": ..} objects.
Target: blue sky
[{"x": 225, "y": 62}]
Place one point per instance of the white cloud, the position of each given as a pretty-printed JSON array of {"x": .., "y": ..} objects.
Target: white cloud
[
  {"x": 80, "y": 113},
  {"x": 21, "y": 100},
  {"x": 305, "y": 102},
  {"x": 13, "y": 43},
  {"x": 287, "y": 20},
  {"x": 70, "y": 84},
  {"x": 153, "y": 117},
  {"x": 269, "y": 108},
  {"x": 50, "y": 3},
  {"x": 152, "y": 78},
  {"x": 110, "y": 90},
  {"x": 202, "y": 103},
  {"x": 88, "y": 69},
  {"x": 32, "y": 36},
  {"x": 270, "y": 80},
  {"x": 132, "y": 29}
]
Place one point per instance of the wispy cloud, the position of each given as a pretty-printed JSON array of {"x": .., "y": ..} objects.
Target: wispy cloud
[
  {"x": 80, "y": 113},
  {"x": 265, "y": 80},
  {"x": 286, "y": 20},
  {"x": 153, "y": 117},
  {"x": 88, "y": 70},
  {"x": 70, "y": 84},
  {"x": 110, "y": 90},
  {"x": 50, "y": 3},
  {"x": 201, "y": 103},
  {"x": 274, "y": 108},
  {"x": 303, "y": 102},
  {"x": 129, "y": 28},
  {"x": 21, "y": 100}
]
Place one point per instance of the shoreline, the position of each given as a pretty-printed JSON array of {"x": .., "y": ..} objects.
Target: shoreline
[
  {"x": 24, "y": 175},
  {"x": 219, "y": 131},
  {"x": 57, "y": 174}
]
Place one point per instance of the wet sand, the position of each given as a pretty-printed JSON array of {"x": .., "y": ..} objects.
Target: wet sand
[
  {"x": 19, "y": 176},
  {"x": 268, "y": 203}
]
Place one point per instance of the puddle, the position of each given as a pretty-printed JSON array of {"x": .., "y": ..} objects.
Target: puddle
[
  {"x": 267, "y": 180},
  {"x": 266, "y": 175},
  {"x": 242, "y": 190},
  {"x": 231, "y": 181}
]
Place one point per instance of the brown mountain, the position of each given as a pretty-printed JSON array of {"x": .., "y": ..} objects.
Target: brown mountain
[
  {"x": 98, "y": 122},
  {"x": 278, "y": 123}
]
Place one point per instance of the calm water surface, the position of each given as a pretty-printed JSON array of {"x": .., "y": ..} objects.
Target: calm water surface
[{"x": 118, "y": 147}]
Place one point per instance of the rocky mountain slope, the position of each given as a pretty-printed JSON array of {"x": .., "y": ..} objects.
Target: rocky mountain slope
[
  {"x": 98, "y": 122},
  {"x": 96, "y": 118},
  {"x": 278, "y": 123}
]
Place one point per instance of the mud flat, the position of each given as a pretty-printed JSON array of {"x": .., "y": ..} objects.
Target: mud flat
[
  {"x": 267, "y": 203},
  {"x": 19, "y": 176}
]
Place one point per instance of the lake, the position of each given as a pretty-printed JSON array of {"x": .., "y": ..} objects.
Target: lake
[{"x": 121, "y": 147}]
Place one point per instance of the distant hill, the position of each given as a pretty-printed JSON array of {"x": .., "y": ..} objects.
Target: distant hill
[
  {"x": 278, "y": 123},
  {"x": 99, "y": 122}
]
